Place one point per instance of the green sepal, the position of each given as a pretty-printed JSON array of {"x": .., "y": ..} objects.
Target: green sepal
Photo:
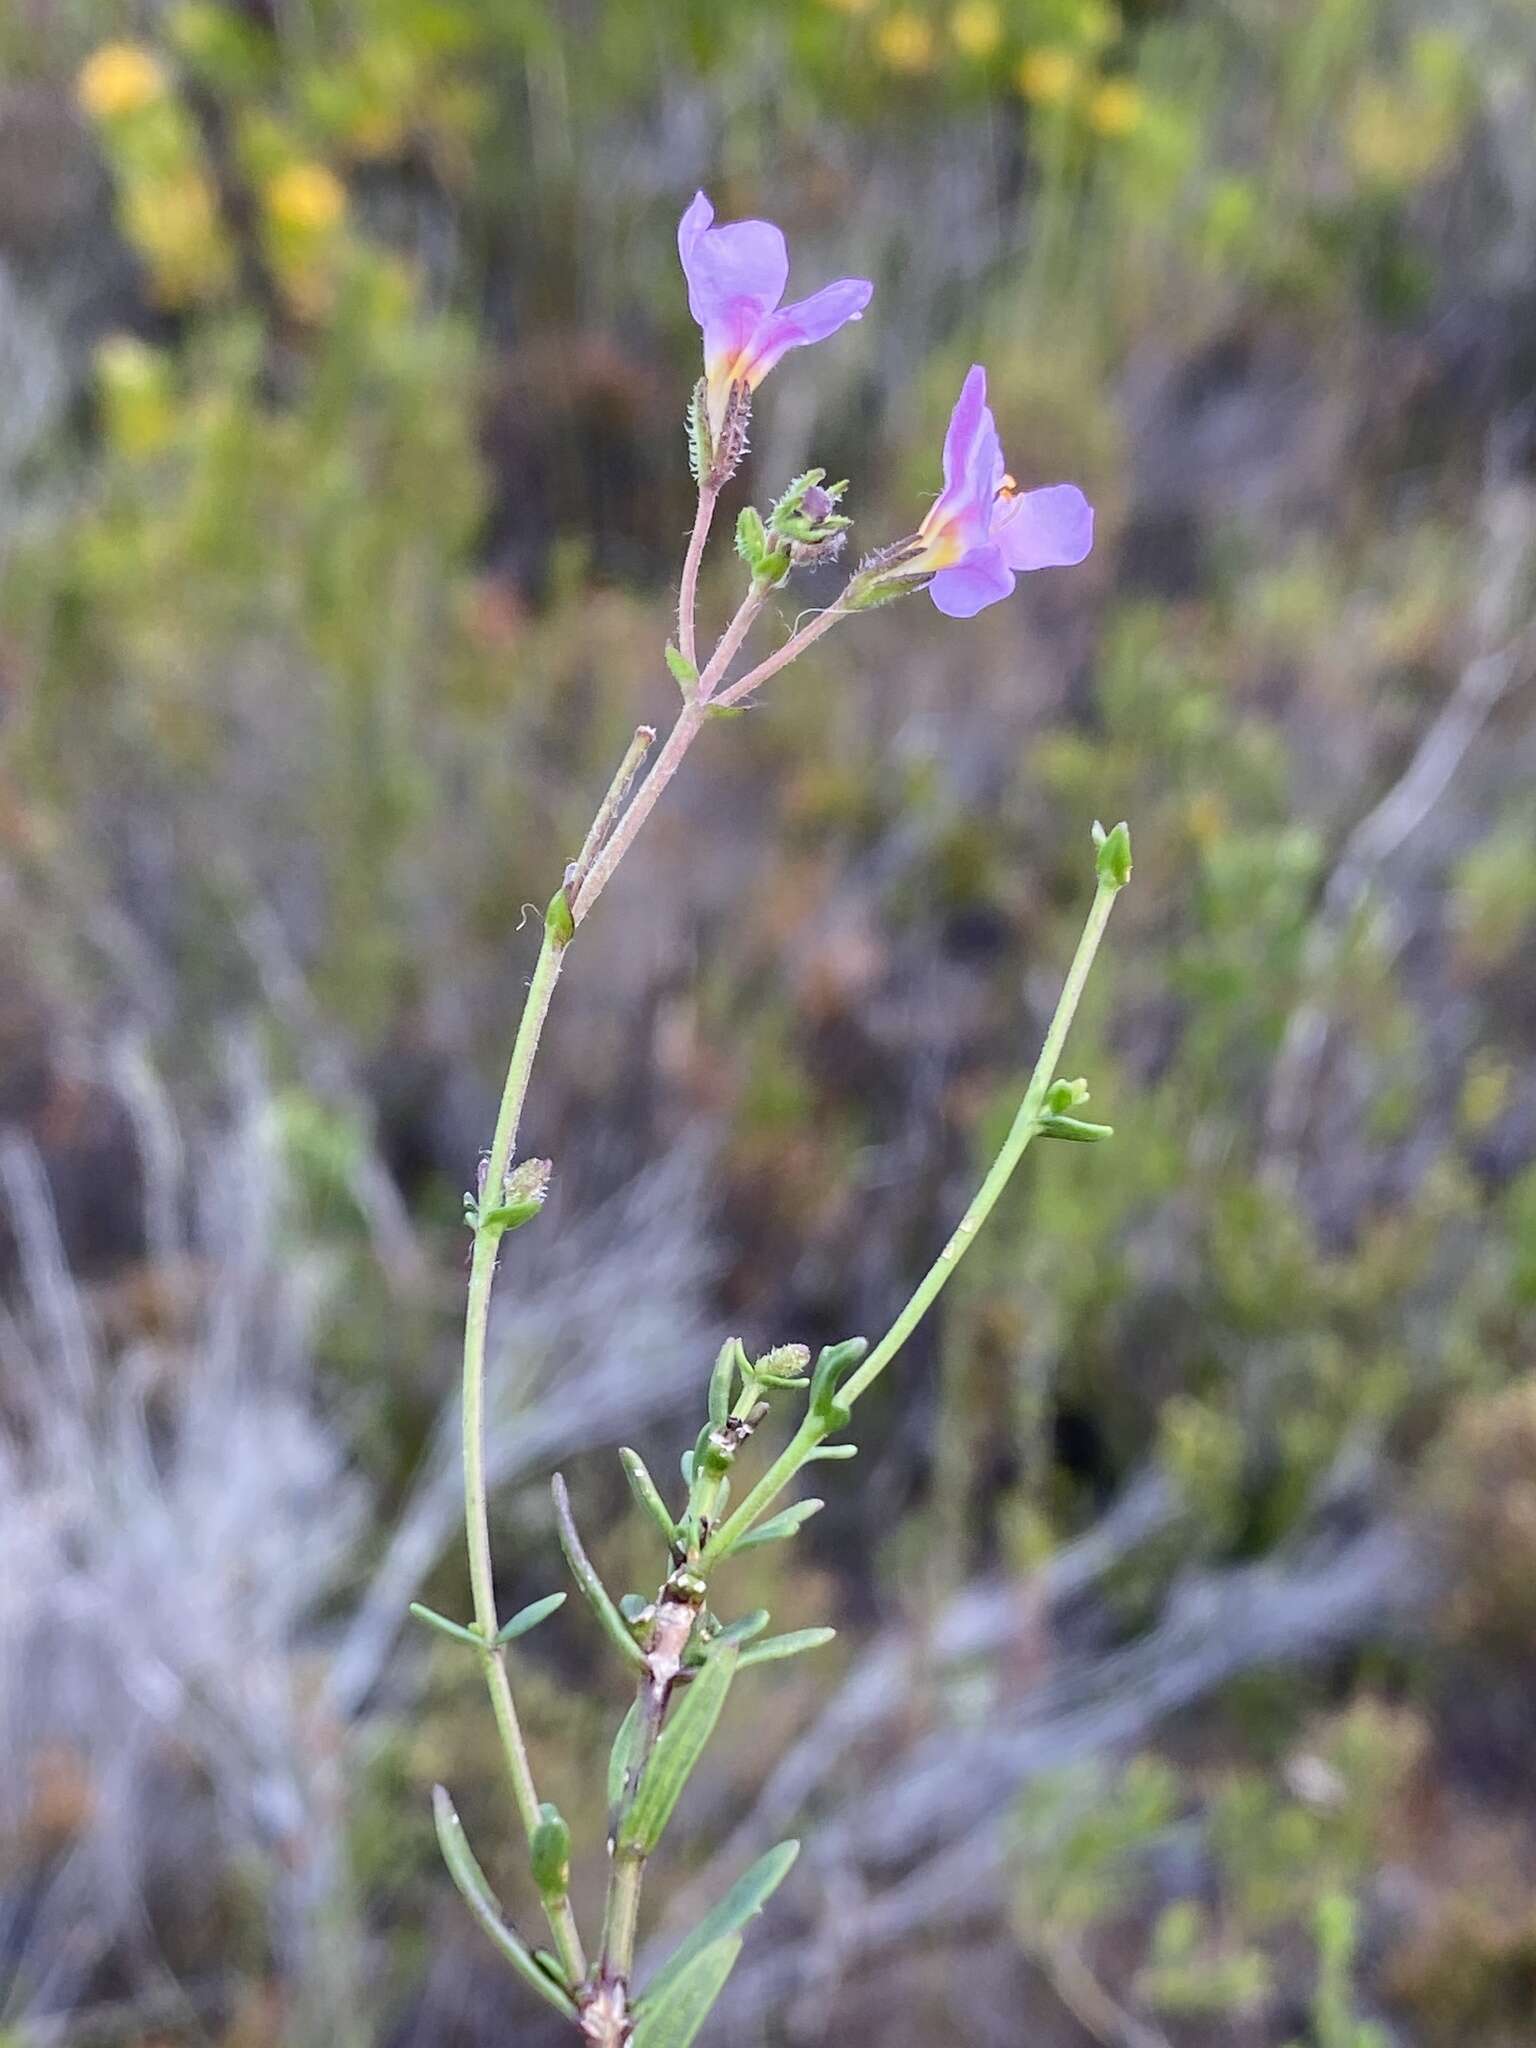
[
  {"x": 1114, "y": 854},
  {"x": 511, "y": 1216},
  {"x": 751, "y": 537},
  {"x": 743, "y": 1902},
  {"x": 618, "y": 1756},
  {"x": 684, "y": 674},
  {"x": 722, "y": 1381},
  {"x": 549, "y": 1854},
  {"x": 781, "y": 1380},
  {"x": 782, "y": 1525},
  {"x": 771, "y": 571},
  {"x": 1062, "y": 1097},
  {"x": 615, "y": 1627},
  {"x": 835, "y": 1361},
  {"x": 444, "y": 1626},
  {"x": 647, "y": 1493},
  {"x": 470, "y": 1879},
  {"x": 776, "y": 1648},
  {"x": 674, "y": 2020},
  {"x": 529, "y": 1617},
  {"x": 1073, "y": 1127},
  {"x": 558, "y": 921},
  {"x": 678, "y": 1749},
  {"x": 701, "y": 445}
]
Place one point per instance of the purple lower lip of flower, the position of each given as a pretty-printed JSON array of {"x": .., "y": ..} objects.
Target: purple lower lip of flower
[
  {"x": 981, "y": 534},
  {"x": 736, "y": 278}
]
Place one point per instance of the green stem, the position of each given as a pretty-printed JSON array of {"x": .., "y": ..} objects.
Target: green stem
[
  {"x": 1024, "y": 1126},
  {"x": 482, "y": 1275}
]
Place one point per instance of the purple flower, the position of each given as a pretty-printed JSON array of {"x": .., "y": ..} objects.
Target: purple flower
[
  {"x": 983, "y": 531},
  {"x": 736, "y": 278}
]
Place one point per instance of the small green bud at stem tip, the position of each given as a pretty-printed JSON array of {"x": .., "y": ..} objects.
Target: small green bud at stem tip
[{"x": 1114, "y": 855}]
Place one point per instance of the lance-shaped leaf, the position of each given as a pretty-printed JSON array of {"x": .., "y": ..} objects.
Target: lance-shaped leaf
[
  {"x": 832, "y": 1367},
  {"x": 647, "y": 1493},
  {"x": 529, "y": 1617},
  {"x": 746, "y": 1898},
  {"x": 549, "y": 1853},
  {"x": 470, "y": 1879},
  {"x": 722, "y": 1381},
  {"x": 742, "y": 1631},
  {"x": 783, "y": 1524},
  {"x": 678, "y": 1749},
  {"x": 674, "y": 2021},
  {"x": 619, "y": 1755},
  {"x": 796, "y": 1644},
  {"x": 614, "y": 1625},
  {"x": 445, "y": 1627}
]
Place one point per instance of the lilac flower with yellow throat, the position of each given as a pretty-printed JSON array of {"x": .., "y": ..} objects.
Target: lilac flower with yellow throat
[
  {"x": 982, "y": 531},
  {"x": 736, "y": 277}
]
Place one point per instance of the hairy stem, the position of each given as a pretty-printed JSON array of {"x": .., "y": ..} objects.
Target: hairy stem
[
  {"x": 688, "y": 589},
  {"x": 792, "y": 649},
  {"x": 1024, "y": 1126}
]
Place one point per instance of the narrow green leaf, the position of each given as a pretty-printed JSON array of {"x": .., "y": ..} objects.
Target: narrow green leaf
[
  {"x": 619, "y": 1755},
  {"x": 1075, "y": 1128},
  {"x": 550, "y": 1853},
  {"x": 444, "y": 1626},
  {"x": 834, "y": 1364},
  {"x": 684, "y": 674},
  {"x": 722, "y": 1381},
  {"x": 832, "y": 1453},
  {"x": 792, "y": 1645},
  {"x": 783, "y": 1524},
  {"x": 678, "y": 1749},
  {"x": 615, "y": 1627},
  {"x": 745, "y": 1899},
  {"x": 674, "y": 2021},
  {"x": 741, "y": 1631},
  {"x": 648, "y": 1494},
  {"x": 470, "y": 1879},
  {"x": 529, "y": 1617}
]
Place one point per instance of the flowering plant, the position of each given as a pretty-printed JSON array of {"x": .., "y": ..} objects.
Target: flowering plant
[{"x": 682, "y": 1652}]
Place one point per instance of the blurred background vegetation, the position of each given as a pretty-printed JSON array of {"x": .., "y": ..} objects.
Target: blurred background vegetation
[{"x": 1188, "y": 1631}]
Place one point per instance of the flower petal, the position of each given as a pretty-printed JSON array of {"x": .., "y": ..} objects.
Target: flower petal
[
  {"x": 973, "y": 455},
  {"x": 811, "y": 319},
  {"x": 972, "y": 584},
  {"x": 736, "y": 275},
  {"x": 1046, "y": 529}
]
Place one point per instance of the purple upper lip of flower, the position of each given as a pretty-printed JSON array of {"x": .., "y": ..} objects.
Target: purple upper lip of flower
[
  {"x": 736, "y": 278},
  {"x": 982, "y": 532}
]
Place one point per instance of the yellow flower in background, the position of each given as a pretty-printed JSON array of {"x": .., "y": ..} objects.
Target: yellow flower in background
[
  {"x": 119, "y": 79},
  {"x": 175, "y": 224},
  {"x": 306, "y": 199},
  {"x": 905, "y": 41},
  {"x": 977, "y": 28},
  {"x": 1116, "y": 108},
  {"x": 1049, "y": 75}
]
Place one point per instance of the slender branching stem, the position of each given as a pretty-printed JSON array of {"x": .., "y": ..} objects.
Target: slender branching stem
[
  {"x": 643, "y": 802},
  {"x": 482, "y": 1274},
  {"x": 792, "y": 649},
  {"x": 688, "y": 589},
  {"x": 730, "y": 641},
  {"x": 608, "y": 809},
  {"x": 1025, "y": 1124}
]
